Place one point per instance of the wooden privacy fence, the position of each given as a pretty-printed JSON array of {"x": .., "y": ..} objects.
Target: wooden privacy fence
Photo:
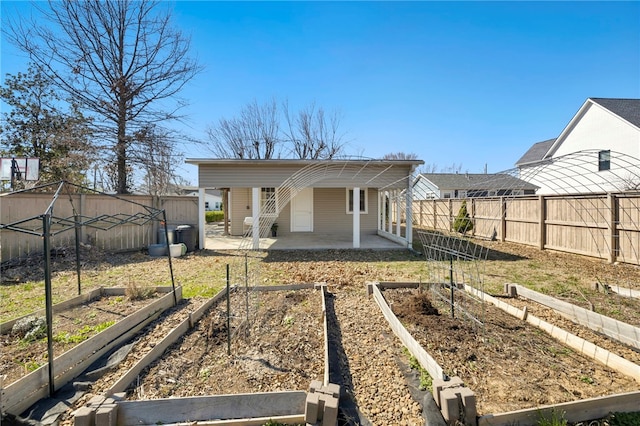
[
  {"x": 180, "y": 210},
  {"x": 606, "y": 226}
]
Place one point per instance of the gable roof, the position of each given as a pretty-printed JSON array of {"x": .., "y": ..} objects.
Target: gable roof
[
  {"x": 469, "y": 181},
  {"x": 536, "y": 152},
  {"x": 628, "y": 109}
]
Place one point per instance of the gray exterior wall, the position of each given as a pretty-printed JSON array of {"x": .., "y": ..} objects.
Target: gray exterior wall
[
  {"x": 329, "y": 212},
  {"x": 332, "y": 176}
]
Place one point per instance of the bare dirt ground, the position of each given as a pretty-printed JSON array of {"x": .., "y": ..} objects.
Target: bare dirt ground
[
  {"x": 280, "y": 348},
  {"x": 510, "y": 364},
  {"x": 510, "y": 356}
]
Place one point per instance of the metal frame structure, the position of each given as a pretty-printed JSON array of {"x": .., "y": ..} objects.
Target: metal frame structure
[{"x": 48, "y": 224}]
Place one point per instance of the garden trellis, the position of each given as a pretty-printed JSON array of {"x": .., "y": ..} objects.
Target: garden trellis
[{"x": 49, "y": 224}]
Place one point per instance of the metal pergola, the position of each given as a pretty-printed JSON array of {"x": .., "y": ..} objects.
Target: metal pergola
[{"x": 47, "y": 225}]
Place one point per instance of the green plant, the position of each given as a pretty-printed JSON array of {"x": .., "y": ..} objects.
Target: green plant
[
  {"x": 463, "y": 222},
  {"x": 288, "y": 320},
  {"x": 214, "y": 216},
  {"x": 426, "y": 382},
  {"x": 588, "y": 380},
  {"x": 556, "y": 418},
  {"x": 624, "y": 419},
  {"x": 83, "y": 334}
]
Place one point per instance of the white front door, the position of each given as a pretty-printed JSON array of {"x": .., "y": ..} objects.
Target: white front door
[{"x": 302, "y": 211}]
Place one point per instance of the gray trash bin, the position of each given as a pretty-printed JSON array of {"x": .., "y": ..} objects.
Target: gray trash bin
[
  {"x": 162, "y": 237},
  {"x": 186, "y": 234}
]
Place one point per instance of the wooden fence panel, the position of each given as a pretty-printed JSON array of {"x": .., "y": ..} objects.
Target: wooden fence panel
[
  {"x": 605, "y": 226},
  {"x": 487, "y": 217},
  {"x": 442, "y": 215},
  {"x": 628, "y": 229},
  {"x": 129, "y": 236},
  {"x": 522, "y": 220},
  {"x": 578, "y": 225}
]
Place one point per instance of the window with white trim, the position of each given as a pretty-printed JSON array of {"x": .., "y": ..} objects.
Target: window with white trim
[
  {"x": 363, "y": 201},
  {"x": 268, "y": 202}
]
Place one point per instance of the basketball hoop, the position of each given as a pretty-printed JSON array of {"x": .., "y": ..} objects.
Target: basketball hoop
[{"x": 17, "y": 169}]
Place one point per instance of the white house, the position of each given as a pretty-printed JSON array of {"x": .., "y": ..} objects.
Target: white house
[
  {"x": 463, "y": 185},
  {"x": 597, "y": 151}
]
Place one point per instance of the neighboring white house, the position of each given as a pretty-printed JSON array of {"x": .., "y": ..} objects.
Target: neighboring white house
[
  {"x": 212, "y": 197},
  {"x": 462, "y": 185},
  {"x": 597, "y": 151}
]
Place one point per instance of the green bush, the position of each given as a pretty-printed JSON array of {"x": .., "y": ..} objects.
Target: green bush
[
  {"x": 463, "y": 223},
  {"x": 214, "y": 216}
]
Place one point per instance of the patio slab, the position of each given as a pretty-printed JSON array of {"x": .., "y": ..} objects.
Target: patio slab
[{"x": 215, "y": 240}]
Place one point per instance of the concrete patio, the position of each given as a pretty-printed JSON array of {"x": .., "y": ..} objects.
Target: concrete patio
[{"x": 215, "y": 240}]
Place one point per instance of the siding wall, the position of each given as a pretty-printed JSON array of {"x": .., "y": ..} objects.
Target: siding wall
[
  {"x": 331, "y": 175},
  {"x": 605, "y": 226},
  {"x": 179, "y": 211},
  {"x": 329, "y": 212}
]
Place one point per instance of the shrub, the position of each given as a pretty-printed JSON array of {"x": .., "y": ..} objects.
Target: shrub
[
  {"x": 214, "y": 216},
  {"x": 463, "y": 222}
]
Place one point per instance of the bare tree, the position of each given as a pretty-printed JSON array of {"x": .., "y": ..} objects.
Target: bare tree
[
  {"x": 158, "y": 157},
  {"x": 254, "y": 134},
  {"x": 400, "y": 156},
  {"x": 313, "y": 134},
  {"x": 120, "y": 60}
]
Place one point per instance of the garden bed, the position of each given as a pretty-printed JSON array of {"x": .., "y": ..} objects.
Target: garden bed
[{"x": 508, "y": 363}]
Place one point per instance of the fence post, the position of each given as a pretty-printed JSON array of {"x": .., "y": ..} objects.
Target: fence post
[
  {"x": 613, "y": 228},
  {"x": 435, "y": 213},
  {"x": 473, "y": 216},
  {"x": 541, "y": 222},
  {"x": 503, "y": 219}
]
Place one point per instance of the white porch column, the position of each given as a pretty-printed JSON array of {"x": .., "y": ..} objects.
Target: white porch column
[
  {"x": 255, "y": 230},
  {"x": 398, "y": 213},
  {"x": 390, "y": 218},
  {"x": 380, "y": 220},
  {"x": 356, "y": 217},
  {"x": 409, "y": 212},
  {"x": 201, "y": 221},
  {"x": 383, "y": 222}
]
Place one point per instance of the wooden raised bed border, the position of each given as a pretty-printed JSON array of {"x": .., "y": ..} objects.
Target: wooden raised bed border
[
  {"x": 618, "y": 330},
  {"x": 21, "y": 394},
  {"x": 6, "y": 327},
  {"x": 239, "y": 409},
  {"x": 574, "y": 411}
]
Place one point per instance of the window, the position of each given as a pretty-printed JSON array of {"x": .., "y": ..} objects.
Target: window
[
  {"x": 363, "y": 201},
  {"x": 604, "y": 160},
  {"x": 268, "y": 202}
]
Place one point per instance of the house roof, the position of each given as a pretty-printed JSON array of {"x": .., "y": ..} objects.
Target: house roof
[
  {"x": 370, "y": 173},
  {"x": 536, "y": 152},
  {"x": 628, "y": 109},
  {"x": 291, "y": 161},
  {"x": 470, "y": 181}
]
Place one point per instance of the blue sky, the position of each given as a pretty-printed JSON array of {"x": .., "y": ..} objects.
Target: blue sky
[{"x": 468, "y": 83}]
